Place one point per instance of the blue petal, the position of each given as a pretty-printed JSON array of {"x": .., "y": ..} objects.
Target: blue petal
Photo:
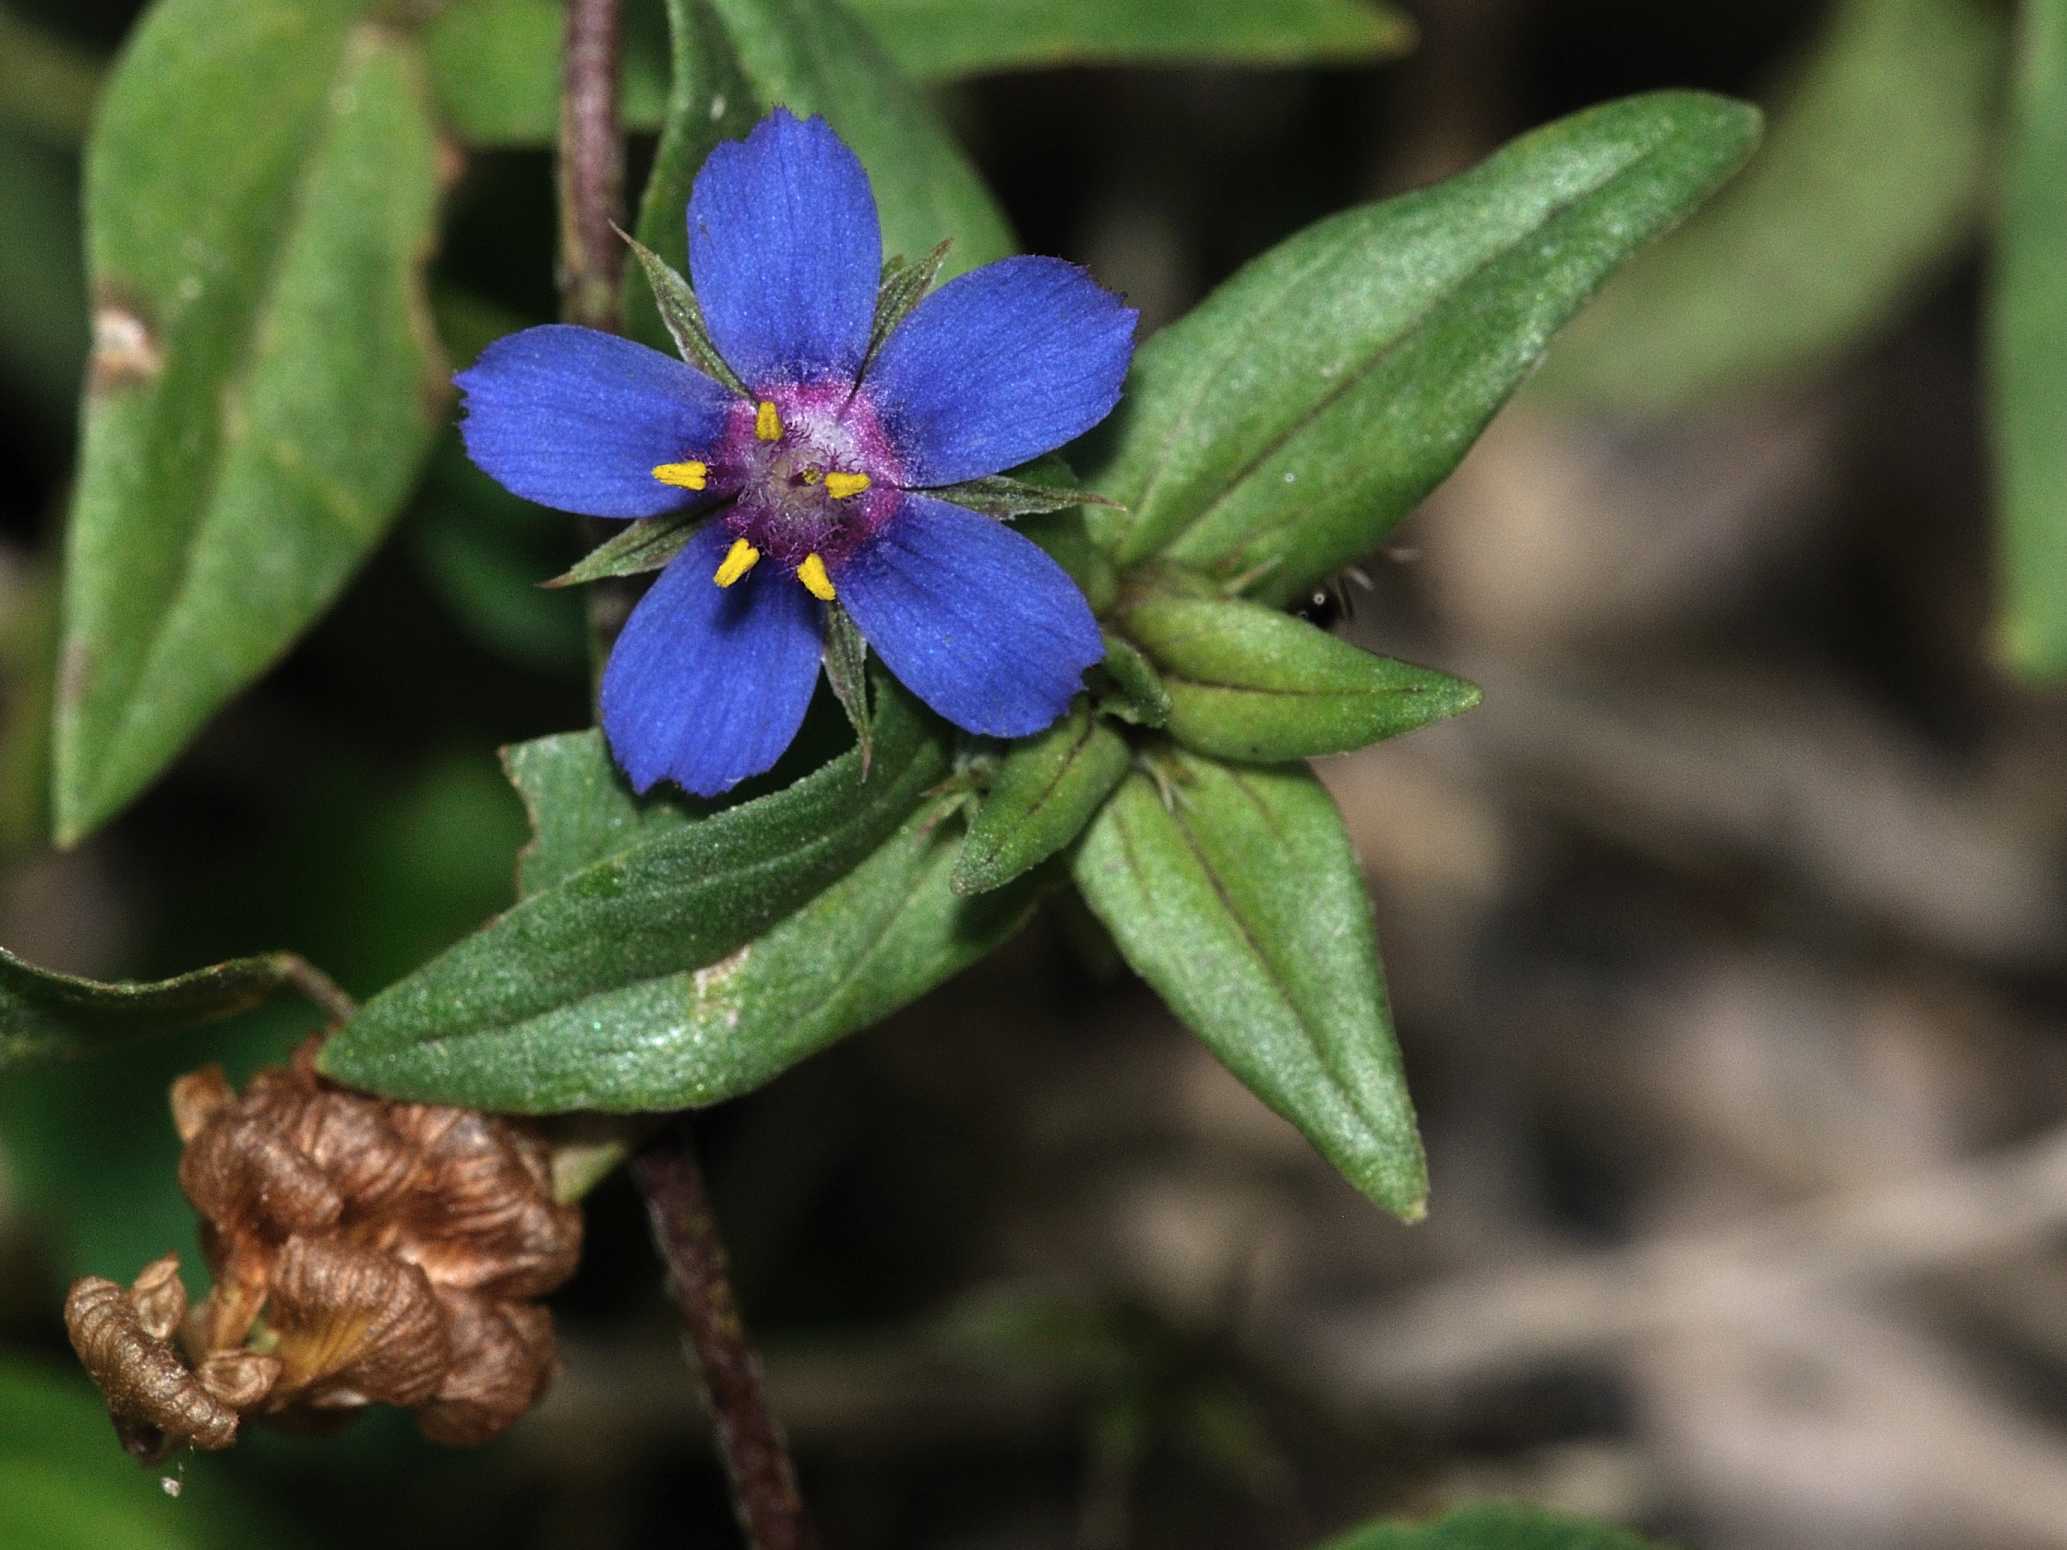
[
  {"x": 707, "y": 685},
  {"x": 972, "y": 618},
  {"x": 785, "y": 252},
  {"x": 999, "y": 366},
  {"x": 578, "y": 420}
]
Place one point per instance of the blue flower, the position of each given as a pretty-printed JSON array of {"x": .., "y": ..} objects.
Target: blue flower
[{"x": 819, "y": 479}]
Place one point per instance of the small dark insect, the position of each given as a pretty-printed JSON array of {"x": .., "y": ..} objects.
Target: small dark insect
[{"x": 1332, "y": 601}]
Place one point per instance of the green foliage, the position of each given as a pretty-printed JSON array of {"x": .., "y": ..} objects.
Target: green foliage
[
  {"x": 2027, "y": 338},
  {"x": 666, "y": 891},
  {"x": 1044, "y": 792},
  {"x": 496, "y": 63},
  {"x": 941, "y": 38},
  {"x": 1282, "y": 428},
  {"x": 64, "y": 1485},
  {"x": 264, "y": 386},
  {"x": 1249, "y": 682},
  {"x": 1491, "y": 1526},
  {"x": 1234, "y": 892},
  {"x": 49, "y": 1016},
  {"x": 1870, "y": 181},
  {"x": 735, "y": 58}
]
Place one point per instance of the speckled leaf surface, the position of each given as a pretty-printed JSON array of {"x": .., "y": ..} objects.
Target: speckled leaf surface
[
  {"x": 264, "y": 384},
  {"x": 1283, "y": 427},
  {"x": 1240, "y": 900}
]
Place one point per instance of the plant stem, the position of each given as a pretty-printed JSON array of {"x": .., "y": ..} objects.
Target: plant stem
[{"x": 757, "y": 1461}]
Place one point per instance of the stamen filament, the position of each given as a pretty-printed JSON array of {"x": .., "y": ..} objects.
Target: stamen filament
[
  {"x": 739, "y": 559},
  {"x": 767, "y": 422},
  {"x": 841, "y": 486},
  {"x": 684, "y": 476},
  {"x": 816, "y": 581}
]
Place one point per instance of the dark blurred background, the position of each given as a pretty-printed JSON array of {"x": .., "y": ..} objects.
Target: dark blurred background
[{"x": 1726, "y": 938}]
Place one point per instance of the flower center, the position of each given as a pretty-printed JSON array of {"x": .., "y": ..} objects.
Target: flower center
[{"x": 811, "y": 475}]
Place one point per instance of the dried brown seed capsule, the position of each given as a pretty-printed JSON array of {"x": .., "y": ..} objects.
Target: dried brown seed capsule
[
  {"x": 482, "y": 1214},
  {"x": 159, "y": 1297},
  {"x": 502, "y": 1359},
  {"x": 239, "y": 1378},
  {"x": 155, "y": 1400},
  {"x": 249, "y": 1180},
  {"x": 353, "y": 1327},
  {"x": 197, "y": 1098}
]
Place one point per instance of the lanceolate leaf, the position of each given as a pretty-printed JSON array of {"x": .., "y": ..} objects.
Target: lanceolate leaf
[
  {"x": 581, "y": 810},
  {"x": 904, "y": 285},
  {"x": 953, "y": 37},
  {"x": 735, "y": 58},
  {"x": 1494, "y": 1526},
  {"x": 1004, "y": 497},
  {"x": 264, "y": 384},
  {"x": 497, "y": 62},
  {"x": 679, "y": 895},
  {"x": 1242, "y": 904},
  {"x": 2028, "y": 354},
  {"x": 1283, "y": 427},
  {"x": 876, "y": 940},
  {"x": 1249, "y": 682},
  {"x": 46, "y": 1016},
  {"x": 1044, "y": 792}
]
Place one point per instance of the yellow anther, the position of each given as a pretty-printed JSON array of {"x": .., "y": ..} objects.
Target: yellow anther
[
  {"x": 739, "y": 559},
  {"x": 840, "y": 486},
  {"x": 811, "y": 475},
  {"x": 816, "y": 581},
  {"x": 767, "y": 422},
  {"x": 684, "y": 476}
]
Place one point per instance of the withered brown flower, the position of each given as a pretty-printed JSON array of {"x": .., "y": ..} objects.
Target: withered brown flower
[{"x": 364, "y": 1252}]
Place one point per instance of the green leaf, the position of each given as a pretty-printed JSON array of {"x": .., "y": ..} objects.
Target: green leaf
[
  {"x": 1491, "y": 1526},
  {"x": 1045, "y": 791},
  {"x": 65, "y": 1484},
  {"x": 496, "y": 63},
  {"x": 1004, "y": 497},
  {"x": 681, "y": 892},
  {"x": 1137, "y": 693},
  {"x": 846, "y": 670},
  {"x": 264, "y": 385},
  {"x": 496, "y": 67},
  {"x": 2027, "y": 337},
  {"x": 1282, "y": 428},
  {"x": 636, "y": 548},
  {"x": 1249, "y": 682},
  {"x": 1241, "y": 902},
  {"x": 48, "y": 1016},
  {"x": 580, "y": 808},
  {"x": 683, "y": 317},
  {"x": 937, "y": 38},
  {"x": 735, "y": 58},
  {"x": 1869, "y": 183},
  {"x": 876, "y": 940},
  {"x": 904, "y": 286}
]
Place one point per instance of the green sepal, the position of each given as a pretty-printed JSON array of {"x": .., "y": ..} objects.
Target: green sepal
[
  {"x": 682, "y": 316},
  {"x": 1044, "y": 791},
  {"x": 846, "y": 669},
  {"x": 50, "y": 1016},
  {"x": 1134, "y": 691},
  {"x": 1004, "y": 497},
  {"x": 680, "y": 894},
  {"x": 1235, "y": 893},
  {"x": 1492, "y": 1526},
  {"x": 903, "y": 286},
  {"x": 1248, "y": 682},
  {"x": 636, "y": 548}
]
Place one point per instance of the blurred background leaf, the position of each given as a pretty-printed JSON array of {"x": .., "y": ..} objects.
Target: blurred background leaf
[
  {"x": 262, "y": 188},
  {"x": 2027, "y": 351},
  {"x": 1868, "y": 186},
  {"x": 1490, "y": 1527}
]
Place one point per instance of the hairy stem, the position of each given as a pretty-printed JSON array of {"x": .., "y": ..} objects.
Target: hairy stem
[{"x": 757, "y": 1461}]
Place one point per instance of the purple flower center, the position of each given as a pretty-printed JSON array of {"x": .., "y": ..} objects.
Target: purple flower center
[{"x": 814, "y": 472}]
